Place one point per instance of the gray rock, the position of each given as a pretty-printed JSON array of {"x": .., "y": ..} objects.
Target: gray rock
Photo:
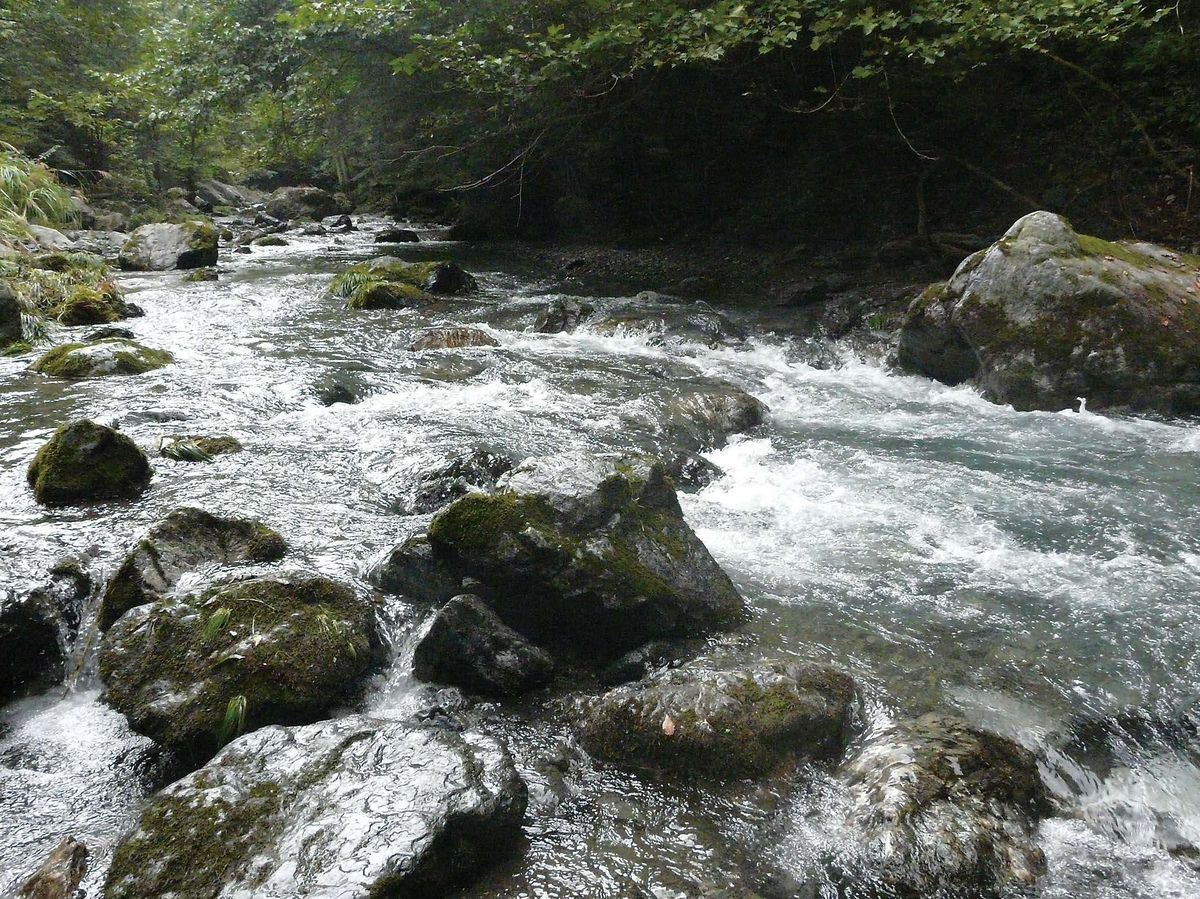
[
  {"x": 1047, "y": 315},
  {"x": 468, "y": 646},
  {"x": 213, "y": 193},
  {"x": 347, "y": 809},
  {"x": 10, "y": 316},
  {"x": 49, "y": 239},
  {"x": 563, "y": 314},
  {"x": 163, "y": 247},
  {"x": 588, "y": 555},
  {"x": 704, "y": 413},
  {"x": 192, "y": 673},
  {"x": 101, "y": 358},
  {"x": 432, "y": 490},
  {"x": 413, "y": 569},
  {"x": 86, "y": 462},
  {"x": 695, "y": 322},
  {"x": 724, "y": 724},
  {"x": 186, "y": 540},
  {"x": 288, "y": 203},
  {"x": 60, "y": 873},
  {"x": 943, "y": 806}
]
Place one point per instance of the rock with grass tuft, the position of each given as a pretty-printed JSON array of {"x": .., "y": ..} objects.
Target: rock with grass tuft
[{"x": 101, "y": 358}]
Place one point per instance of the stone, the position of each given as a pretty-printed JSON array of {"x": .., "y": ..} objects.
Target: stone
[
  {"x": 164, "y": 246},
  {"x": 60, "y": 874},
  {"x": 439, "y": 486},
  {"x": 468, "y": 646},
  {"x": 35, "y": 630},
  {"x": 703, "y": 414},
  {"x": 563, "y": 314},
  {"x": 86, "y": 462},
  {"x": 300, "y": 202},
  {"x": 186, "y": 540},
  {"x": 101, "y": 358},
  {"x": 397, "y": 235},
  {"x": 451, "y": 339},
  {"x": 10, "y": 316}
]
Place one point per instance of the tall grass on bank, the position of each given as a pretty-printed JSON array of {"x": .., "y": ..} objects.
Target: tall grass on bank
[{"x": 30, "y": 194}]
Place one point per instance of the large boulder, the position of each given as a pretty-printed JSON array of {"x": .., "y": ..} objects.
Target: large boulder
[
  {"x": 59, "y": 875},
  {"x": 941, "y": 805},
  {"x": 213, "y": 193},
  {"x": 186, "y": 540},
  {"x": 354, "y": 808},
  {"x": 163, "y": 247},
  {"x": 289, "y": 203},
  {"x": 704, "y": 413},
  {"x": 191, "y": 673},
  {"x": 390, "y": 283},
  {"x": 468, "y": 646},
  {"x": 109, "y": 356},
  {"x": 35, "y": 630},
  {"x": 591, "y": 555},
  {"x": 1047, "y": 315},
  {"x": 10, "y": 316},
  {"x": 725, "y": 724},
  {"x": 87, "y": 462}
]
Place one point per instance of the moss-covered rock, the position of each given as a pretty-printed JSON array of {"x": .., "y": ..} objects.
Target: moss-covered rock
[
  {"x": 354, "y": 808},
  {"x": 270, "y": 240},
  {"x": 725, "y": 724},
  {"x": 91, "y": 305},
  {"x": 299, "y": 202},
  {"x": 944, "y": 808},
  {"x": 201, "y": 275},
  {"x": 590, "y": 556},
  {"x": 386, "y": 295},
  {"x": 164, "y": 246},
  {"x": 186, "y": 540},
  {"x": 1047, "y": 315},
  {"x": 86, "y": 462},
  {"x": 111, "y": 356},
  {"x": 388, "y": 282},
  {"x": 452, "y": 339},
  {"x": 191, "y": 673}
]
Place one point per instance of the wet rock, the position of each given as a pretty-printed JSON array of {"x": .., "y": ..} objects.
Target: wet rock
[
  {"x": 344, "y": 224},
  {"x": 208, "y": 445},
  {"x": 478, "y": 470},
  {"x": 1047, "y": 315},
  {"x": 192, "y": 673},
  {"x": 314, "y": 229},
  {"x": 563, "y": 314},
  {"x": 35, "y": 629},
  {"x": 10, "y": 316},
  {"x": 60, "y": 874},
  {"x": 353, "y": 808},
  {"x": 342, "y": 387},
  {"x": 300, "y": 202},
  {"x": 397, "y": 235},
  {"x": 270, "y": 240},
  {"x": 186, "y": 540},
  {"x": 703, "y": 414},
  {"x": 201, "y": 275},
  {"x": 691, "y": 471},
  {"x": 162, "y": 247},
  {"x": 451, "y": 339},
  {"x": 86, "y": 462},
  {"x": 101, "y": 358},
  {"x": 724, "y": 724},
  {"x": 695, "y": 322},
  {"x": 412, "y": 569},
  {"x": 109, "y": 334},
  {"x": 944, "y": 806},
  {"x": 243, "y": 250},
  {"x": 637, "y": 663},
  {"x": 468, "y": 646},
  {"x": 588, "y": 555},
  {"x": 391, "y": 283}
]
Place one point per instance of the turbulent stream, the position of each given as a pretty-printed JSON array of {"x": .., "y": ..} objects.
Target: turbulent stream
[{"x": 1031, "y": 571}]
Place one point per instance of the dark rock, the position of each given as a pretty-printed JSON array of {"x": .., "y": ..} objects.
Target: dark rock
[
  {"x": 60, "y": 874},
  {"x": 1047, "y": 315},
  {"x": 412, "y": 569},
  {"x": 434, "y": 489},
  {"x": 703, "y": 414},
  {"x": 10, "y": 316},
  {"x": 192, "y": 673},
  {"x": 563, "y": 314},
  {"x": 207, "y": 444},
  {"x": 468, "y": 646},
  {"x": 691, "y": 471},
  {"x": 35, "y": 630},
  {"x": 451, "y": 339},
  {"x": 86, "y": 462},
  {"x": 186, "y": 540},
  {"x": 449, "y": 278},
  {"x": 109, "y": 333},
  {"x": 300, "y": 202},
  {"x": 697, "y": 721},
  {"x": 695, "y": 322},
  {"x": 243, "y": 250},
  {"x": 589, "y": 555},
  {"x": 270, "y": 816},
  {"x": 397, "y": 235},
  {"x": 343, "y": 223},
  {"x": 943, "y": 806},
  {"x": 202, "y": 275},
  {"x": 637, "y": 663},
  {"x": 161, "y": 247}
]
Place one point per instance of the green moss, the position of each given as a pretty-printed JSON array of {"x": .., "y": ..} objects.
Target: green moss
[
  {"x": 127, "y": 358},
  {"x": 270, "y": 240},
  {"x": 60, "y": 363},
  {"x": 19, "y": 348},
  {"x": 90, "y": 305},
  {"x": 1094, "y": 246},
  {"x": 474, "y": 525},
  {"x": 385, "y": 295},
  {"x": 201, "y": 275},
  {"x": 86, "y": 461}
]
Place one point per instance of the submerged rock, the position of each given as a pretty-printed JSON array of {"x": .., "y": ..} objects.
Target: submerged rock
[
  {"x": 1047, "y": 315},
  {"x": 87, "y": 462},
  {"x": 35, "y": 628},
  {"x": 60, "y": 874},
  {"x": 202, "y": 275},
  {"x": 468, "y": 646},
  {"x": 288, "y": 203},
  {"x": 192, "y": 673},
  {"x": 703, "y": 414},
  {"x": 197, "y": 447},
  {"x": 588, "y": 555},
  {"x": 162, "y": 247},
  {"x": 355, "y": 808},
  {"x": 186, "y": 540},
  {"x": 563, "y": 314},
  {"x": 725, "y": 724},
  {"x": 451, "y": 339},
  {"x": 696, "y": 322},
  {"x": 945, "y": 806},
  {"x": 109, "y": 356}
]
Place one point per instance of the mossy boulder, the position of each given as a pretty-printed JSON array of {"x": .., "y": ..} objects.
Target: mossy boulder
[
  {"x": 86, "y": 462},
  {"x": 202, "y": 275},
  {"x": 164, "y": 246},
  {"x": 85, "y": 304},
  {"x": 354, "y": 808},
  {"x": 10, "y": 316},
  {"x": 724, "y": 724},
  {"x": 941, "y": 806},
  {"x": 300, "y": 202},
  {"x": 451, "y": 339},
  {"x": 386, "y": 295},
  {"x": 270, "y": 240},
  {"x": 468, "y": 646},
  {"x": 186, "y": 540},
  {"x": 440, "y": 485},
  {"x": 590, "y": 556},
  {"x": 193, "y": 672},
  {"x": 111, "y": 356},
  {"x": 388, "y": 282},
  {"x": 1046, "y": 315}
]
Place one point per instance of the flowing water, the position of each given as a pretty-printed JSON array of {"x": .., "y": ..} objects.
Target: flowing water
[{"x": 1037, "y": 573}]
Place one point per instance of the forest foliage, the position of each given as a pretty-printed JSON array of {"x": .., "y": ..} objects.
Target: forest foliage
[{"x": 619, "y": 113}]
